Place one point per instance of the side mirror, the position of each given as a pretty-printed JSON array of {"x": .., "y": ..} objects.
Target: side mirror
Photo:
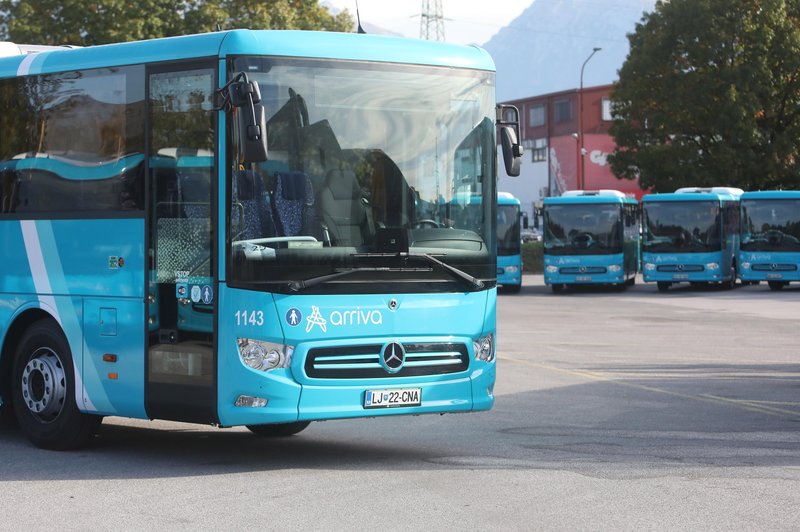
[
  {"x": 508, "y": 120},
  {"x": 253, "y": 133},
  {"x": 512, "y": 151},
  {"x": 245, "y": 97}
]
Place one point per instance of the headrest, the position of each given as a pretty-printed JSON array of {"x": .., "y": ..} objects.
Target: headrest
[
  {"x": 293, "y": 185},
  {"x": 245, "y": 185},
  {"x": 342, "y": 184}
]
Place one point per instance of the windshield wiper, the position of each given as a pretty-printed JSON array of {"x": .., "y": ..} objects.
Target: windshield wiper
[
  {"x": 296, "y": 286},
  {"x": 474, "y": 281}
]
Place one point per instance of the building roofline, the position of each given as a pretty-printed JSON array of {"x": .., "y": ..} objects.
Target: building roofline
[{"x": 558, "y": 93}]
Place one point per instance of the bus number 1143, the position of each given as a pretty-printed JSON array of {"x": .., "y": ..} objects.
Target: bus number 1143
[{"x": 250, "y": 317}]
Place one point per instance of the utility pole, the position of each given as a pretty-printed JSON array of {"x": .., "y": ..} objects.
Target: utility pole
[
  {"x": 582, "y": 152},
  {"x": 431, "y": 21}
]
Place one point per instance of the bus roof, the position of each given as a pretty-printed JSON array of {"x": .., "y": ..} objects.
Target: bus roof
[
  {"x": 506, "y": 198},
  {"x": 590, "y": 196},
  {"x": 771, "y": 194},
  {"x": 733, "y": 191},
  {"x": 290, "y": 43},
  {"x": 697, "y": 194}
]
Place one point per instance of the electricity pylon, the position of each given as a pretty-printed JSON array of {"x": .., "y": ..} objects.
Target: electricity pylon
[{"x": 431, "y": 21}]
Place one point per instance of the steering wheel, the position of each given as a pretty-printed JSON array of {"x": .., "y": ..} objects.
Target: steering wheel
[
  {"x": 774, "y": 236},
  {"x": 417, "y": 224},
  {"x": 582, "y": 240}
]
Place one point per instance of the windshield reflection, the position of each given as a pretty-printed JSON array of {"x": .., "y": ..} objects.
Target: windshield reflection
[
  {"x": 366, "y": 161},
  {"x": 585, "y": 229},
  {"x": 508, "y": 230},
  {"x": 771, "y": 225},
  {"x": 682, "y": 226}
]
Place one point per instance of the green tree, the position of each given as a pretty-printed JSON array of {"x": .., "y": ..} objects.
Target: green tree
[
  {"x": 709, "y": 95},
  {"x": 91, "y": 22},
  {"x": 86, "y": 23},
  {"x": 202, "y": 15}
]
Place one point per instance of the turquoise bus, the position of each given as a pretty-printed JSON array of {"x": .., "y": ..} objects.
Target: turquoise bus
[
  {"x": 691, "y": 236},
  {"x": 770, "y": 241},
  {"x": 510, "y": 221},
  {"x": 231, "y": 229},
  {"x": 590, "y": 237}
]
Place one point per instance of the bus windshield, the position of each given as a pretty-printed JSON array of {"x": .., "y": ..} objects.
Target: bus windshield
[
  {"x": 583, "y": 229},
  {"x": 370, "y": 166},
  {"x": 508, "y": 230},
  {"x": 771, "y": 225},
  {"x": 681, "y": 226}
]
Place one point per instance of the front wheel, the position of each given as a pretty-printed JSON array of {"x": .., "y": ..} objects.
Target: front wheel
[
  {"x": 512, "y": 288},
  {"x": 663, "y": 286},
  {"x": 278, "y": 430},
  {"x": 776, "y": 285},
  {"x": 731, "y": 283},
  {"x": 43, "y": 391},
  {"x": 557, "y": 288}
]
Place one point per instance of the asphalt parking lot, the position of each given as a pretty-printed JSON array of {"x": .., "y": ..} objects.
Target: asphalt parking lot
[{"x": 614, "y": 410}]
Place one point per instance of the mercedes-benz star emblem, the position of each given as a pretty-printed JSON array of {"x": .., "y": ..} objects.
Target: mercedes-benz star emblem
[{"x": 392, "y": 357}]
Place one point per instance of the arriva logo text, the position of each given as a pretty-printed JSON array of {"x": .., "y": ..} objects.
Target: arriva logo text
[
  {"x": 338, "y": 318},
  {"x": 356, "y": 317}
]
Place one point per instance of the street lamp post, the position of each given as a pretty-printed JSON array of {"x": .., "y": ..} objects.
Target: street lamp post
[{"x": 582, "y": 152}]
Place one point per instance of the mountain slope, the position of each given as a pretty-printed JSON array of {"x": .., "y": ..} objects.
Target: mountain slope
[{"x": 542, "y": 50}]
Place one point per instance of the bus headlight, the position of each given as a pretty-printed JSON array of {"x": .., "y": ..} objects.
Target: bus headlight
[
  {"x": 512, "y": 269},
  {"x": 614, "y": 268},
  {"x": 745, "y": 265},
  {"x": 484, "y": 348},
  {"x": 264, "y": 356},
  {"x": 713, "y": 266},
  {"x": 552, "y": 269},
  {"x": 649, "y": 266}
]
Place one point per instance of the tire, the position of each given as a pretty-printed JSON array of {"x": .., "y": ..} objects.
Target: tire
[
  {"x": 663, "y": 286},
  {"x": 557, "y": 288},
  {"x": 43, "y": 391},
  {"x": 775, "y": 285},
  {"x": 278, "y": 430},
  {"x": 513, "y": 288},
  {"x": 731, "y": 284}
]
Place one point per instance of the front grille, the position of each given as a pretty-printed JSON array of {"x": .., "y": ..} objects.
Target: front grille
[
  {"x": 364, "y": 361},
  {"x": 679, "y": 268},
  {"x": 774, "y": 267},
  {"x": 578, "y": 270}
]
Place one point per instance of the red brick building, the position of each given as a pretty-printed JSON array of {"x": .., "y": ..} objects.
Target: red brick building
[{"x": 553, "y": 130}]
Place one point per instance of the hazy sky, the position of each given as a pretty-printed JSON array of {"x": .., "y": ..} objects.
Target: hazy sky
[{"x": 466, "y": 21}]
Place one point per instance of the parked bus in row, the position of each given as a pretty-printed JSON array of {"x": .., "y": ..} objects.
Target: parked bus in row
[
  {"x": 231, "y": 229},
  {"x": 590, "y": 237},
  {"x": 691, "y": 236},
  {"x": 510, "y": 221},
  {"x": 770, "y": 246}
]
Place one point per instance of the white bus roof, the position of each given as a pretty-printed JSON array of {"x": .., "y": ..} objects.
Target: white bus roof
[
  {"x": 9, "y": 49},
  {"x": 713, "y": 190},
  {"x": 602, "y": 192}
]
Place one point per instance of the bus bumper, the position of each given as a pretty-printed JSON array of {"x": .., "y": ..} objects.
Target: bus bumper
[{"x": 288, "y": 401}]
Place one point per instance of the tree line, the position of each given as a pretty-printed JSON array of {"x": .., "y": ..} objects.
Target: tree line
[
  {"x": 709, "y": 95},
  {"x": 93, "y": 22}
]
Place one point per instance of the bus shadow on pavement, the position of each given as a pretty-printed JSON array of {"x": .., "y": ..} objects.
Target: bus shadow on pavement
[{"x": 627, "y": 421}]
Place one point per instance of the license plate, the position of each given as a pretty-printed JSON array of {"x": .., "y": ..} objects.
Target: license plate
[
  {"x": 774, "y": 276},
  {"x": 681, "y": 276},
  {"x": 583, "y": 278},
  {"x": 393, "y": 397}
]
